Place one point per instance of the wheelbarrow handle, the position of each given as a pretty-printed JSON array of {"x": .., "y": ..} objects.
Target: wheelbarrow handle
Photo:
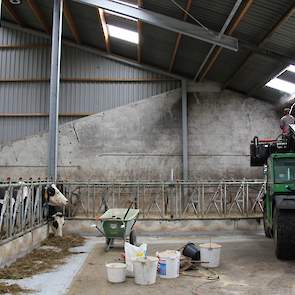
[
  {"x": 131, "y": 203},
  {"x": 99, "y": 230}
]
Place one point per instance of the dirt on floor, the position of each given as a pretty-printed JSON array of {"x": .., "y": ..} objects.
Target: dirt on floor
[
  {"x": 52, "y": 253},
  {"x": 12, "y": 289}
]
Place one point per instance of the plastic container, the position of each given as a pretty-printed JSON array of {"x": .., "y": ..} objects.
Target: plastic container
[
  {"x": 192, "y": 251},
  {"x": 169, "y": 262},
  {"x": 116, "y": 272},
  {"x": 145, "y": 270},
  {"x": 210, "y": 255}
]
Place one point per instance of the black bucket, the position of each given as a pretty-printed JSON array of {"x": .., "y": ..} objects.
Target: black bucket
[{"x": 192, "y": 251}]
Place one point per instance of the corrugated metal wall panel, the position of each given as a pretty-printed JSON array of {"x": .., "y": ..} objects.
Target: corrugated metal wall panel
[{"x": 75, "y": 97}]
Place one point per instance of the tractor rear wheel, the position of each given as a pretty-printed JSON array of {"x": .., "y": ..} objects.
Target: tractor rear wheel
[{"x": 284, "y": 233}]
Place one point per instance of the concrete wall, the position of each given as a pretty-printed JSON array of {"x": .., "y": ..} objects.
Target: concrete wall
[
  {"x": 171, "y": 227},
  {"x": 221, "y": 126},
  {"x": 23, "y": 245},
  {"x": 143, "y": 140}
]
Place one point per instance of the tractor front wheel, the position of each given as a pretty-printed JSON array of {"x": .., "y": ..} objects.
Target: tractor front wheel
[{"x": 284, "y": 233}]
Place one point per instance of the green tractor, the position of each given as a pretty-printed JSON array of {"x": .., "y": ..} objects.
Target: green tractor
[{"x": 278, "y": 158}]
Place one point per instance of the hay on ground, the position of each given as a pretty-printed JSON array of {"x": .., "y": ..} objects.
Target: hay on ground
[
  {"x": 41, "y": 260},
  {"x": 12, "y": 289}
]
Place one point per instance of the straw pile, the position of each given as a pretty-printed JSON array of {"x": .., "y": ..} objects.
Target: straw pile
[{"x": 51, "y": 254}]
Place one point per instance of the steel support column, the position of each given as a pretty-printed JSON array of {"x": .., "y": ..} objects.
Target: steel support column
[
  {"x": 184, "y": 130},
  {"x": 0, "y": 11},
  {"x": 54, "y": 89}
]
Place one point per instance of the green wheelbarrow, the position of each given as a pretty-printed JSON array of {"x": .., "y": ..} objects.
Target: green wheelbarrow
[{"x": 118, "y": 224}]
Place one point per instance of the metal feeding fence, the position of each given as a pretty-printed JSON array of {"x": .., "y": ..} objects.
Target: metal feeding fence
[
  {"x": 21, "y": 208},
  {"x": 167, "y": 200}
]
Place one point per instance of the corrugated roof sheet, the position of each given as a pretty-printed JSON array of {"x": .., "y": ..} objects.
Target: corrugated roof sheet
[
  {"x": 158, "y": 44},
  {"x": 283, "y": 39},
  {"x": 187, "y": 60},
  {"x": 88, "y": 25},
  {"x": 259, "y": 67}
]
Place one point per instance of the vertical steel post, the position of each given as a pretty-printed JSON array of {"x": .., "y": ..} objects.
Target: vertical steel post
[
  {"x": 0, "y": 12},
  {"x": 184, "y": 130},
  {"x": 184, "y": 114},
  {"x": 54, "y": 89}
]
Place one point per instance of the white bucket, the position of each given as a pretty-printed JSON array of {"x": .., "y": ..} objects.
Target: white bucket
[
  {"x": 210, "y": 254},
  {"x": 169, "y": 262},
  {"x": 145, "y": 270},
  {"x": 116, "y": 272}
]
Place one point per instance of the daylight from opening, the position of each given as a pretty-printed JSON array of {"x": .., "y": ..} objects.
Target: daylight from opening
[
  {"x": 281, "y": 84},
  {"x": 123, "y": 34}
]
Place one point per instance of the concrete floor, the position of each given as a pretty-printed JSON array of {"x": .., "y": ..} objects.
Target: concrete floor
[{"x": 248, "y": 266}]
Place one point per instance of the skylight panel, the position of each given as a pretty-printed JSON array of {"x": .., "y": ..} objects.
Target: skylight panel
[
  {"x": 123, "y": 34},
  {"x": 281, "y": 85},
  {"x": 291, "y": 68}
]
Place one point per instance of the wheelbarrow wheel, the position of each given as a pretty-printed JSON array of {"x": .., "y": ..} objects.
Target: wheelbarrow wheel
[{"x": 132, "y": 238}]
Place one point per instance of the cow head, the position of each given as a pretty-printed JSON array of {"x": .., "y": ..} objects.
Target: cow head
[
  {"x": 55, "y": 197},
  {"x": 57, "y": 224}
]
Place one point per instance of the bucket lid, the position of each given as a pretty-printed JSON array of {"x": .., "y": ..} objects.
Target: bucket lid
[
  {"x": 116, "y": 265},
  {"x": 169, "y": 254},
  {"x": 145, "y": 259},
  {"x": 210, "y": 246}
]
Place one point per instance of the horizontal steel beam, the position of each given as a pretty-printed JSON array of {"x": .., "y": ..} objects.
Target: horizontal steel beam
[
  {"x": 9, "y": 115},
  {"x": 23, "y": 46},
  {"x": 88, "y": 80},
  {"x": 166, "y": 22}
]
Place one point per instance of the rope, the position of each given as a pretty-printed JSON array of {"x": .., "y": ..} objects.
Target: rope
[{"x": 190, "y": 15}]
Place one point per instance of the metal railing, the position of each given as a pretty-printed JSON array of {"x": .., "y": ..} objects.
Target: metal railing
[
  {"x": 167, "y": 200},
  {"x": 21, "y": 208}
]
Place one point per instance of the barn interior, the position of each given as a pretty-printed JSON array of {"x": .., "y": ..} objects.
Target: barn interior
[{"x": 137, "y": 116}]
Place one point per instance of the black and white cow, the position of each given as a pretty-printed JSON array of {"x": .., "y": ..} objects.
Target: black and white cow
[
  {"x": 55, "y": 200},
  {"x": 18, "y": 206},
  {"x": 12, "y": 206}
]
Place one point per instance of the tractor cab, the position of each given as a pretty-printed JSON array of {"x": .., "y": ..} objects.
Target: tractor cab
[{"x": 280, "y": 172}]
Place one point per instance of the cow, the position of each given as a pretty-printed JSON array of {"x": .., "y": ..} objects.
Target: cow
[
  {"x": 57, "y": 224},
  {"x": 18, "y": 206},
  {"x": 53, "y": 196},
  {"x": 11, "y": 206},
  {"x": 55, "y": 200}
]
